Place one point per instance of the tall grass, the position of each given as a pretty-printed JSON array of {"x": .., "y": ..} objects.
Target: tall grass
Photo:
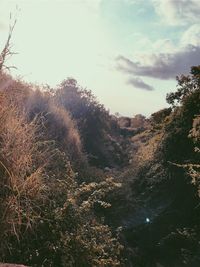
[
  {"x": 46, "y": 219},
  {"x": 21, "y": 168}
]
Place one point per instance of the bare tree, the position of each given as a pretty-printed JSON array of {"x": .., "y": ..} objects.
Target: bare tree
[{"x": 7, "y": 50}]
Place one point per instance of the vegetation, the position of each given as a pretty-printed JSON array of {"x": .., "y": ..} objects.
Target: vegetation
[
  {"x": 99, "y": 131},
  {"x": 80, "y": 187},
  {"x": 159, "y": 198},
  {"x": 46, "y": 217}
]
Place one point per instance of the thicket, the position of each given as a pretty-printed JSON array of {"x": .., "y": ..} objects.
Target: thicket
[
  {"x": 162, "y": 184},
  {"x": 47, "y": 213},
  {"x": 100, "y": 133}
]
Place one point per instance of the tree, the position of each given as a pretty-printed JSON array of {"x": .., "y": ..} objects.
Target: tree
[
  {"x": 97, "y": 128},
  {"x": 186, "y": 85},
  {"x": 7, "y": 50}
]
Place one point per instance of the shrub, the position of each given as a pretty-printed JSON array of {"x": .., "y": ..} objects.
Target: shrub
[
  {"x": 98, "y": 130},
  {"x": 46, "y": 218}
]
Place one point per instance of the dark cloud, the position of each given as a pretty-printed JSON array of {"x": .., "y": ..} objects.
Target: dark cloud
[
  {"x": 139, "y": 83},
  {"x": 164, "y": 65}
]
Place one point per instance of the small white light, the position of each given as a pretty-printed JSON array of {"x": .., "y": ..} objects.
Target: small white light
[{"x": 147, "y": 220}]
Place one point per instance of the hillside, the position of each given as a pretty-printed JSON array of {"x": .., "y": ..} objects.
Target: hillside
[{"x": 158, "y": 203}]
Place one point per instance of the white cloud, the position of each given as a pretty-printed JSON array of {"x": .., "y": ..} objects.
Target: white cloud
[
  {"x": 191, "y": 36},
  {"x": 164, "y": 60},
  {"x": 164, "y": 45},
  {"x": 178, "y": 12}
]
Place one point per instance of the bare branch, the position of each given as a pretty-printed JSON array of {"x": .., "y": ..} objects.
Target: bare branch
[{"x": 7, "y": 50}]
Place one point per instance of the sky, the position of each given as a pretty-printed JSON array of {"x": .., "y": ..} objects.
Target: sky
[{"x": 128, "y": 52}]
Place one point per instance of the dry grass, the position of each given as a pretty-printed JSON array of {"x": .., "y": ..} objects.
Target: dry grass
[
  {"x": 42, "y": 216},
  {"x": 145, "y": 146},
  {"x": 57, "y": 123},
  {"x": 64, "y": 130},
  {"x": 21, "y": 169}
]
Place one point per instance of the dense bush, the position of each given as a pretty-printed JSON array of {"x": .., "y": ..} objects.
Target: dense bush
[
  {"x": 162, "y": 184},
  {"x": 99, "y": 131},
  {"x": 178, "y": 147},
  {"x": 46, "y": 217}
]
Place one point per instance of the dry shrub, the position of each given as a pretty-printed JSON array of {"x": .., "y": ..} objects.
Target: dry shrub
[
  {"x": 62, "y": 128},
  {"x": 57, "y": 124},
  {"x": 15, "y": 91},
  {"x": 45, "y": 217},
  {"x": 21, "y": 169},
  {"x": 146, "y": 146}
]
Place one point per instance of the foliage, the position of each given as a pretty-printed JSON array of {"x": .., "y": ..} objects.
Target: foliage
[
  {"x": 99, "y": 131},
  {"x": 160, "y": 116},
  {"x": 162, "y": 184},
  {"x": 193, "y": 169},
  {"x": 186, "y": 86},
  {"x": 178, "y": 147},
  {"x": 46, "y": 217}
]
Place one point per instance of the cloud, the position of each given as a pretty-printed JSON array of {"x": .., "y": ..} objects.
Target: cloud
[
  {"x": 139, "y": 83},
  {"x": 162, "y": 65},
  {"x": 164, "y": 45},
  {"x": 191, "y": 36},
  {"x": 177, "y": 12},
  {"x": 165, "y": 58}
]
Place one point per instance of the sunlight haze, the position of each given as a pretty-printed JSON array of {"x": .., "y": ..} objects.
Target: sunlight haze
[{"x": 128, "y": 52}]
